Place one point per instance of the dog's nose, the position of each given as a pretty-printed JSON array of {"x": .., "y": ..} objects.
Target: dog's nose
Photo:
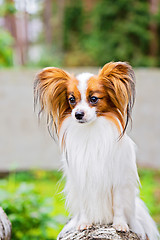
[{"x": 79, "y": 115}]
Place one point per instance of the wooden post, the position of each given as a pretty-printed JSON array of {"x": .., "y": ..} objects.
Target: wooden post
[
  {"x": 5, "y": 226},
  {"x": 99, "y": 232}
]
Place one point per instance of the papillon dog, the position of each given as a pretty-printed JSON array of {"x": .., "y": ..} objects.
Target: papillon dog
[{"x": 89, "y": 115}]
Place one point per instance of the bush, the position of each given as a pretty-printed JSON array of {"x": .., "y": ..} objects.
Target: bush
[
  {"x": 120, "y": 32},
  {"x": 31, "y": 213},
  {"x": 73, "y": 24},
  {"x": 6, "y": 52},
  {"x": 110, "y": 31}
]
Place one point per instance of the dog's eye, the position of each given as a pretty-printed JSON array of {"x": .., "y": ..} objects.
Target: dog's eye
[
  {"x": 72, "y": 100},
  {"x": 93, "y": 100}
]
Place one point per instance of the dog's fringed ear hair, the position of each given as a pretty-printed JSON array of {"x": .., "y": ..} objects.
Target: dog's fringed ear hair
[
  {"x": 119, "y": 81},
  {"x": 50, "y": 91}
]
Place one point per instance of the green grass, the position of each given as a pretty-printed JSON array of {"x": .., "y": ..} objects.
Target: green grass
[
  {"x": 35, "y": 204},
  {"x": 150, "y": 192}
]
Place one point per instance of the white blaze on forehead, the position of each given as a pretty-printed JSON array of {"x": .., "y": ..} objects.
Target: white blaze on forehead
[
  {"x": 89, "y": 113},
  {"x": 82, "y": 86}
]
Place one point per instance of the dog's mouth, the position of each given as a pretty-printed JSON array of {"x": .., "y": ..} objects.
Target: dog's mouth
[
  {"x": 85, "y": 122},
  {"x": 82, "y": 121}
]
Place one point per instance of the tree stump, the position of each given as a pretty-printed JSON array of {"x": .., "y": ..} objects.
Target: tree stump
[
  {"x": 99, "y": 232},
  {"x": 5, "y": 226}
]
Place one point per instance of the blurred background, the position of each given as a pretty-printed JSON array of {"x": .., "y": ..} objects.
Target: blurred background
[{"x": 78, "y": 36}]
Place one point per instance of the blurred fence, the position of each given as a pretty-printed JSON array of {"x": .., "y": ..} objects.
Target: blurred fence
[{"x": 26, "y": 145}]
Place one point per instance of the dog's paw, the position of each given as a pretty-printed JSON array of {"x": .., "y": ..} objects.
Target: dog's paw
[
  {"x": 83, "y": 226},
  {"x": 68, "y": 227},
  {"x": 121, "y": 227}
]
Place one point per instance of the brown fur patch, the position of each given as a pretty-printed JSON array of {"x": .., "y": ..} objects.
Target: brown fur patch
[
  {"x": 103, "y": 107},
  {"x": 117, "y": 79},
  {"x": 94, "y": 88},
  {"x": 113, "y": 119},
  {"x": 72, "y": 90},
  {"x": 51, "y": 89}
]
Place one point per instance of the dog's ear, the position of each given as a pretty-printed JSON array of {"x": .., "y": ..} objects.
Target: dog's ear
[
  {"x": 50, "y": 90},
  {"x": 119, "y": 81}
]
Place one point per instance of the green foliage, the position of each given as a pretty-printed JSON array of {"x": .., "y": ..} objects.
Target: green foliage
[
  {"x": 6, "y": 40},
  {"x": 73, "y": 24},
  {"x": 27, "y": 211},
  {"x": 116, "y": 30},
  {"x": 120, "y": 31},
  {"x": 150, "y": 191},
  {"x": 7, "y": 7},
  {"x": 31, "y": 212},
  {"x": 112, "y": 31},
  {"x": 6, "y": 52}
]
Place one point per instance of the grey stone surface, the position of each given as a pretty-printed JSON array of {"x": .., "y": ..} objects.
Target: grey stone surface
[{"x": 25, "y": 144}]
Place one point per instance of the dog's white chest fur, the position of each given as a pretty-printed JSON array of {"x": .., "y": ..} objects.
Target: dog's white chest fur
[{"x": 92, "y": 166}]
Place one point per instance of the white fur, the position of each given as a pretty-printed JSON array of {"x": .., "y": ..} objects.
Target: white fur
[
  {"x": 90, "y": 113},
  {"x": 82, "y": 86},
  {"x": 101, "y": 173}
]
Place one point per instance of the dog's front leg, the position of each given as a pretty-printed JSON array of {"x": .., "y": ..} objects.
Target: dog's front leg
[
  {"x": 83, "y": 223},
  {"x": 72, "y": 223},
  {"x": 119, "y": 218}
]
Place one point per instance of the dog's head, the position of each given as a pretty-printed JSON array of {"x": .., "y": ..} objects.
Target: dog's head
[{"x": 86, "y": 97}]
